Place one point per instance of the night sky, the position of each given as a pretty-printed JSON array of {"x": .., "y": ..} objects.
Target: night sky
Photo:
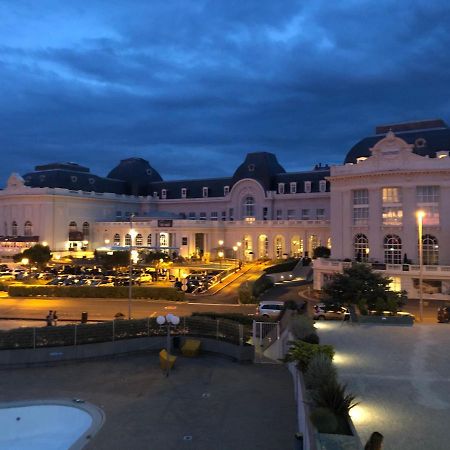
[{"x": 192, "y": 86}]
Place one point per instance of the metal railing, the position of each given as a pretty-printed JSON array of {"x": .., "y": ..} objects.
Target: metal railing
[{"x": 80, "y": 334}]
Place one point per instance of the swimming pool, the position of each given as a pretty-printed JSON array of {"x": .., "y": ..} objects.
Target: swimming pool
[{"x": 49, "y": 425}]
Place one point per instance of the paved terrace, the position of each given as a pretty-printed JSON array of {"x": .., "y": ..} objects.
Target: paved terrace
[
  {"x": 220, "y": 403},
  {"x": 401, "y": 375}
]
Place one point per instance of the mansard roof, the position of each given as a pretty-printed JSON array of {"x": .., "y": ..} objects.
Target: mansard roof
[
  {"x": 427, "y": 136},
  {"x": 194, "y": 187},
  {"x": 60, "y": 175}
]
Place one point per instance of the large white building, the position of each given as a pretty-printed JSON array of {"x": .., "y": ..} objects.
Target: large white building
[{"x": 364, "y": 210}]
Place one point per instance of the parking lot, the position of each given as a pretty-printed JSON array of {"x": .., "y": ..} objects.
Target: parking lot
[{"x": 401, "y": 375}]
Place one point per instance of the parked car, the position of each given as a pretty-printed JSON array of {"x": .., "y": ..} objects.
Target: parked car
[
  {"x": 330, "y": 311},
  {"x": 443, "y": 314},
  {"x": 269, "y": 308}
]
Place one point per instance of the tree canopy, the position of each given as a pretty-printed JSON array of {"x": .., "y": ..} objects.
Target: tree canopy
[
  {"x": 38, "y": 254},
  {"x": 361, "y": 286}
]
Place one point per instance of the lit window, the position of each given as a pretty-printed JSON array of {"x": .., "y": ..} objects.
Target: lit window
[
  {"x": 149, "y": 240},
  {"x": 392, "y": 249},
  {"x": 392, "y": 195},
  {"x": 128, "y": 239},
  {"x": 293, "y": 187},
  {"x": 117, "y": 239},
  {"x": 361, "y": 248},
  {"x": 139, "y": 240},
  {"x": 395, "y": 284},
  {"x": 307, "y": 187}
]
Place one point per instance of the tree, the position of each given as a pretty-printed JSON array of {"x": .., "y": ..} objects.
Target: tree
[
  {"x": 361, "y": 286},
  {"x": 119, "y": 258},
  {"x": 38, "y": 254},
  {"x": 321, "y": 252}
]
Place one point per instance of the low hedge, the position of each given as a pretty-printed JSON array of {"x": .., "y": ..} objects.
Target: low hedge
[
  {"x": 157, "y": 293},
  {"x": 235, "y": 317},
  {"x": 262, "y": 284},
  {"x": 283, "y": 267}
]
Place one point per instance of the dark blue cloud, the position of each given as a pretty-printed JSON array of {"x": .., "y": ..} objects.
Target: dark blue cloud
[{"x": 193, "y": 86}]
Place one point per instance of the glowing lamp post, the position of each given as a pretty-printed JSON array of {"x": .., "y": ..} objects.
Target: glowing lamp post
[
  {"x": 170, "y": 320},
  {"x": 239, "y": 243},
  {"x": 420, "y": 215},
  {"x": 235, "y": 248},
  {"x": 132, "y": 255}
]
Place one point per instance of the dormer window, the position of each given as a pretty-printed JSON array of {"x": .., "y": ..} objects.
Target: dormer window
[
  {"x": 226, "y": 190},
  {"x": 163, "y": 193},
  {"x": 183, "y": 192},
  {"x": 251, "y": 167},
  {"x": 307, "y": 186},
  {"x": 205, "y": 192},
  {"x": 281, "y": 188},
  {"x": 322, "y": 185},
  {"x": 293, "y": 187},
  {"x": 73, "y": 178},
  {"x": 155, "y": 195}
]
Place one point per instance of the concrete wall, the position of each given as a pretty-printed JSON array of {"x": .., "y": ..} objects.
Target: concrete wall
[{"x": 26, "y": 357}]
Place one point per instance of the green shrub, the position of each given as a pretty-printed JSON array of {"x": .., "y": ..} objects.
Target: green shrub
[
  {"x": 285, "y": 266},
  {"x": 262, "y": 284},
  {"x": 302, "y": 353},
  {"x": 319, "y": 372},
  {"x": 332, "y": 395},
  {"x": 302, "y": 326},
  {"x": 324, "y": 420},
  {"x": 245, "y": 293},
  {"x": 157, "y": 293}
]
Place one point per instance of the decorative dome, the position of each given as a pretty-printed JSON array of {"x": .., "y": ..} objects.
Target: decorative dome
[{"x": 135, "y": 171}]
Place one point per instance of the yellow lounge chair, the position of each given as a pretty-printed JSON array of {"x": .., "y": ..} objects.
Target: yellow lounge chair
[
  {"x": 166, "y": 359},
  {"x": 191, "y": 347}
]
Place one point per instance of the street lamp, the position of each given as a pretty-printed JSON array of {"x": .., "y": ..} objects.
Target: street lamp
[
  {"x": 220, "y": 255},
  {"x": 420, "y": 215},
  {"x": 170, "y": 319},
  {"x": 130, "y": 275},
  {"x": 235, "y": 248},
  {"x": 239, "y": 243}
]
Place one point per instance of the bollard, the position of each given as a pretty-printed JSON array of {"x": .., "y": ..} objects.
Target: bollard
[{"x": 84, "y": 317}]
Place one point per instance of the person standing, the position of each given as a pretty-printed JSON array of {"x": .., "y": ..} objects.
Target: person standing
[
  {"x": 49, "y": 318},
  {"x": 55, "y": 319}
]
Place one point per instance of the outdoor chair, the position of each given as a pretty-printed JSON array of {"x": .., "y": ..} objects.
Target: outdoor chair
[
  {"x": 166, "y": 359},
  {"x": 191, "y": 347}
]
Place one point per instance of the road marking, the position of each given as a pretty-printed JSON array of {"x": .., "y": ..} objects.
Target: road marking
[{"x": 214, "y": 304}]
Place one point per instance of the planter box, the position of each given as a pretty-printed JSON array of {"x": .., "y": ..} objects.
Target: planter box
[{"x": 337, "y": 442}]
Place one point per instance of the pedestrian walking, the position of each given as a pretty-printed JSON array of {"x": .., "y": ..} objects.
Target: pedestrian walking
[
  {"x": 55, "y": 319},
  {"x": 49, "y": 318}
]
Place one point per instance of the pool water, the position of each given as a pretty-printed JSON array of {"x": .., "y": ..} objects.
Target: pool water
[{"x": 43, "y": 426}]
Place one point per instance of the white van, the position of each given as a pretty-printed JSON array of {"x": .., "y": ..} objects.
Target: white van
[{"x": 269, "y": 308}]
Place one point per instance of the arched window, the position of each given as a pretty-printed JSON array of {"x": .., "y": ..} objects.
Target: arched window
[
  {"x": 139, "y": 240},
  {"x": 85, "y": 230},
  {"x": 263, "y": 251},
  {"x": 392, "y": 249},
  {"x": 430, "y": 248},
  {"x": 296, "y": 246},
  {"x": 73, "y": 226},
  {"x": 117, "y": 239},
  {"x": 361, "y": 247},
  {"x": 128, "y": 239},
  {"x": 14, "y": 228},
  {"x": 149, "y": 240},
  {"x": 249, "y": 207},
  {"x": 28, "y": 228},
  {"x": 279, "y": 246}
]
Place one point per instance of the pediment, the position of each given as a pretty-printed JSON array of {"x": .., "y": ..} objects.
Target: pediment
[
  {"x": 15, "y": 181},
  {"x": 391, "y": 146}
]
